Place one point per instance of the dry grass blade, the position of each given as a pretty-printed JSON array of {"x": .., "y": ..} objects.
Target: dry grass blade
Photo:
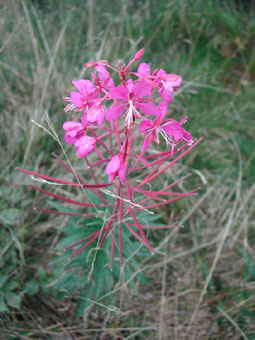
[
  {"x": 45, "y": 85},
  {"x": 163, "y": 301},
  {"x": 223, "y": 237},
  {"x": 228, "y": 317}
]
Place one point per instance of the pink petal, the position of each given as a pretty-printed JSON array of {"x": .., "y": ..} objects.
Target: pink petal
[
  {"x": 122, "y": 173},
  {"x": 105, "y": 77},
  {"x": 175, "y": 130},
  {"x": 161, "y": 72},
  {"x": 114, "y": 112},
  {"x": 187, "y": 136},
  {"x": 166, "y": 93},
  {"x": 85, "y": 145},
  {"x": 144, "y": 70},
  {"x": 146, "y": 125},
  {"x": 95, "y": 113},
  {"x": 120, "y": 93},
  {"x": 84, "y": 120},
  {"x": 148, "y": 108},
  {"x": 130, "y": 85},
  {"x": 162, "y": 110},
  {"x": 142, "y": 89},
  {"x": 70, "y": 125},
  {"x": 173, "y": 79},
  {"x": 74, "y": 131},
  {"x": 100, "y": 117},
  {"x": 77, "y": 99},
  {"x": 102, "y": 72},
  {"x": 85, "y": 86},
  {"x": 71, "y": 139},
  {"x": 113, "y": 165},
  {"x": 146, "y": 143}
]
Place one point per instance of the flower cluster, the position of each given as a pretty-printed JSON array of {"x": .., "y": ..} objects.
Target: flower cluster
[
  {"x": 112, "y": 119},
  {"x": 132, "y": 100}
]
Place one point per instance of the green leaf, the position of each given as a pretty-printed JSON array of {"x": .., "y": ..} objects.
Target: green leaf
[
  {"x": 5, "y": 192},
  {"x": 3, "y": 307},
  {"x": 12, "y": 285},
  {"x": 3, "y": 279},
  {"x": 10, "y": 216},
  {"x": 62, "y": 208},
  {"x": 41, "y": 274},
  {"x": 84, "y": 301},
  {"x": 31, "y": 287},
  {"x": 13, "y": 300}
]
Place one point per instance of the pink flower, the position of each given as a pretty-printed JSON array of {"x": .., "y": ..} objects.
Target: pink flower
[
  {"x": 169, "y": 129},
  {"x": 73, "y": 131},
  {"x": 105, "y": 78},
  {"x": 85, "y": 145},
  {"x": 84, "y": 98},
  {"x": 94, "y": 114},
  {"x": 165, "y": 83},
  {"x": 116, "y": 167},
  {"x": 131, "y": 98}
]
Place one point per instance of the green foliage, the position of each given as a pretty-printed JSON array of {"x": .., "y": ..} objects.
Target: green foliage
[
  {"x": 10, "y": 216},
  {"x": 87, "y": 276}
]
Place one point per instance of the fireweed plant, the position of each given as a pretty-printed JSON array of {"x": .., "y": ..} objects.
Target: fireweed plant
[{"x": 112, "y": 120}]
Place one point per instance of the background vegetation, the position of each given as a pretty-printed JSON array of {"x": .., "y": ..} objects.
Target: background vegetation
[{"x": 200, "y": 284}]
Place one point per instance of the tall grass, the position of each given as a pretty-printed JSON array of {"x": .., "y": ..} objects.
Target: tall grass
[{"x": 200, "y": 285}]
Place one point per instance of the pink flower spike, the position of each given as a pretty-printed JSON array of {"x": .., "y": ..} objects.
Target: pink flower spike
[
  {"x": 85, "y": 145},
  {"x": 149, "y": 109}
]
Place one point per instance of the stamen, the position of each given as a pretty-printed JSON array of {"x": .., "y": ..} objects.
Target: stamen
[
  {"x": 129, "y": 117},
  {"x": 70, "y": 107}
]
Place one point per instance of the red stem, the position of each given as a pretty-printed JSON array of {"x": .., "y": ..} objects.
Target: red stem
[
  {"x": 140, "y": 229},
  {"x": 66, "y": 213},
  {"x": 149, "y": 178},
  {"x": 120, "y": 231},
  {"x": 67, "y": 199}
]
